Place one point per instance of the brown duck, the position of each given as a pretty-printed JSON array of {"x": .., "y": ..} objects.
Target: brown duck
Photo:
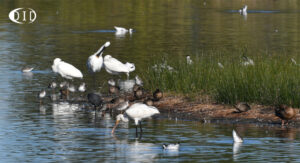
[
  {"x": 157, "y": 95},
  {"x": 285, "y": 112},
  {"x": 242, "y": 107}
]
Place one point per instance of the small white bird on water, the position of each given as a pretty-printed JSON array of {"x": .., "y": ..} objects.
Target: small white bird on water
[
  {"x": 114, "y": 66},
  {"x": 243, "y": 11},
  {"x": 171, "y": 146},
  {"x": 236, "y": 137},
  {"x": 95, "y": 61},
  {"x": 27, "y": 69},
  {"x": 121, "y": 30},
  {"x": 137, "y": 112},
  {"x": 65, "y": 69}
]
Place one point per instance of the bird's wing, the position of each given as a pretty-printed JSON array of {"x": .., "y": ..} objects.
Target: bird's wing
[
  {"x": 139, "y": 110},
  {"x": 119, "y": 28},
  {"x": 113, "y": 64},
  {"x": 66, "y": 69}
]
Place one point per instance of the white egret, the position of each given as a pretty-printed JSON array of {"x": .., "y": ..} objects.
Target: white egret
[
  {"x": 95, "y": 61},
  {"x": 65, "y": 69},
  {"x": 171, "y": 146},
  {"x": 121, "y": 30},
  {"x": 114, "y": 66},
  {"x": 236, "y": 137},
  {"x": 137, "y": 112}
]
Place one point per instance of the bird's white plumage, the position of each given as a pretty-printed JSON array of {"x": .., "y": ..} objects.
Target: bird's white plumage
[
  {"x": 138, "y": 80},
  {"x": 42, "y": 94},
  {"x": 236, "y": 137},
  {"x": 81, "y": 87},
  {"x": 189, "y": 60},
  {"x": 139, "y": 111},
  {"x": 95, "y": 61},
  {"x": 114, "y": 66},
  {"x": 243, "y": 10},
  {"x": 111, "y": 82},
  {"x": 65, "y": 69},
  {"x": 171, "y": 146}
]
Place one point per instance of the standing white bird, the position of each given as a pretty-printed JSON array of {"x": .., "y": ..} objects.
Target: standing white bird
[
  {"x": 121, "y": 30},
  {"x": 65, "y": 69},
  {"x": 137, "y": 112},
  {"x": 114, "y": 66},
  {"x": 236, "y": 137},
  {"x": 82, "y": 87},
  {"x": 42, "y": 95},
  {"x": 138, "y": 81},
  {"x": 95, "y": 61}
]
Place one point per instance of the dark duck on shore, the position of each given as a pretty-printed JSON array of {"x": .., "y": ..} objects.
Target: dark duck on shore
[
  {"x": 285, "y": 112},
  {"x": 157, "y": 95},
  {"x": 242, "y": 107}
]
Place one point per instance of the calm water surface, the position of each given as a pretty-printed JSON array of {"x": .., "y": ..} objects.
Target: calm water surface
[{"x": 73, "y": 30}]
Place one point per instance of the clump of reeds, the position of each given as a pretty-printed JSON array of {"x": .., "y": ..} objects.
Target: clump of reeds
[{"x": 262, "y": 80}]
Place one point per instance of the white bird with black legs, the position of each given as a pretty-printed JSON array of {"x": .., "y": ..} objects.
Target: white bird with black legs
[
  {"x": 137, "y": 112},
  {"x": 95, "y": 61},
  {"x": 65, "y": 69},
  {"x": 121, "y": 30},
  {"x": 115, "y": 67}
]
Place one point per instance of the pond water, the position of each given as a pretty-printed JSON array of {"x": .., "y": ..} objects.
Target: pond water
[{"x": 73, "y": 30}]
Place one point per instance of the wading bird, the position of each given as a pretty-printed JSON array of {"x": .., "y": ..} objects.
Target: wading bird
[
  {"x": 95, "y": 100},
  {"x": 95, "y": 61},
  {"x": 285, "y": 113},
  {"x": 114, "y": 66},
  {"x": 42, "y": 95},
  {"x": 137, "y": 112},
  {"x": 65, "y": 69}
]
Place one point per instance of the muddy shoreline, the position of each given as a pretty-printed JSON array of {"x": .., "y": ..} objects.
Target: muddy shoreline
[{"x": 173, "y": 107}]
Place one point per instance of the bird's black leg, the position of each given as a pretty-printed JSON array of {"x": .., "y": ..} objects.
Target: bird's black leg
[
  {"x": 95, "y": 112},
  {"x": 136, "y": 132},
  {"x": 141, "y": 130}
]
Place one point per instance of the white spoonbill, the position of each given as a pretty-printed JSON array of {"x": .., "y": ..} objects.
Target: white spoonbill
[
  {"x": 114, "y": 66},
  {"x": 95, "y": 61},
  {"x": 121, "y": 30},
  {"x": 137, "y": 112},
  {"x": 65, "y": 69}
]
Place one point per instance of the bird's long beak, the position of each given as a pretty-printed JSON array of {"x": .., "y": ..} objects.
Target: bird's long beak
[{"x": 113, "y": 130}]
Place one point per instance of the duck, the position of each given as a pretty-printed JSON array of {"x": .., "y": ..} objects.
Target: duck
[
  {"x": 242, "y": 107},
  {"x": 148, "y": 101},
  {"x": 157, "y": 95},
  {"x": 285, "y": 113}
]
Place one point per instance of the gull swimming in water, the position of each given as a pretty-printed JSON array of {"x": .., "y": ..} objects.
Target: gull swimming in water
[
  {"x": 121, "y": 30},
  {"x": 171, "y": 146}
]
